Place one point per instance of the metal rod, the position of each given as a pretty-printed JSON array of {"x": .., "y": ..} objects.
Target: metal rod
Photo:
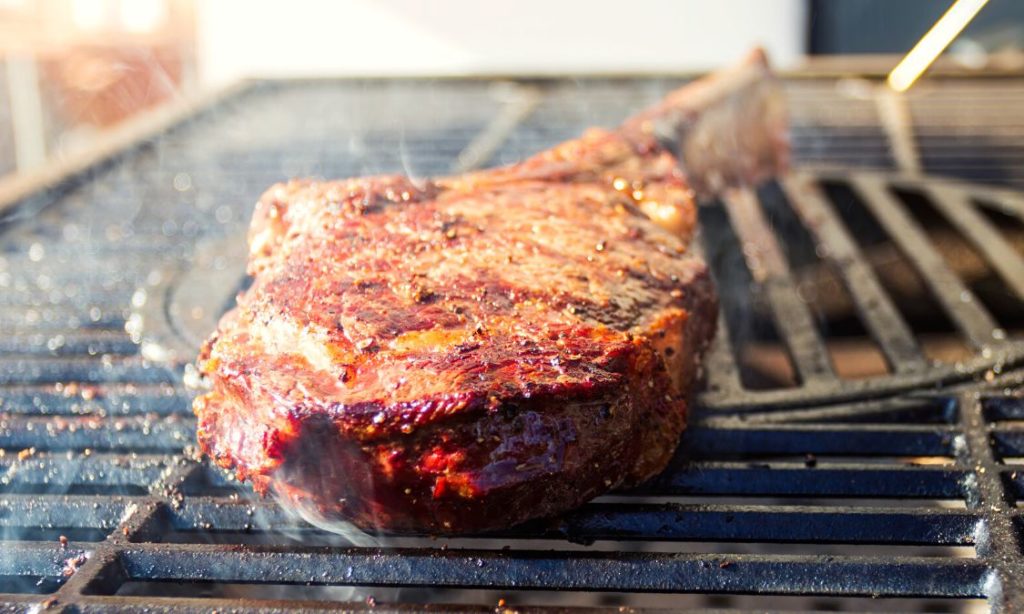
[{"x": 894, "y": 116}]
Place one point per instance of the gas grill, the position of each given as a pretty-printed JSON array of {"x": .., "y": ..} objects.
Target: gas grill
[{"x": 802, "y": 483}]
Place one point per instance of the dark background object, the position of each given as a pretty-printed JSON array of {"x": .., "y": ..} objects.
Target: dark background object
[{"x": 882, "y": 26}]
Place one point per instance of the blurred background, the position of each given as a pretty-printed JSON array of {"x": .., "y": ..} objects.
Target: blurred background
[{"x": 72, "y": 69}]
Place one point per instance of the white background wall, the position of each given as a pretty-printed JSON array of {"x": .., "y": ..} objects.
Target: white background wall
[{"x": 239, "y": 38}]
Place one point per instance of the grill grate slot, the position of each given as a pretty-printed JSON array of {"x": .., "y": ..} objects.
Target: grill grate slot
[
  {"x": 880, "y": 315},
  {"x": 851, "y": 440},
  {"x": 936, "y": 334},
  {"x": 999, "y": 253},
  {"x": 798, "y": 480},
  {"x": 737, "y": 329},
  {"x": 972, "y": 319},
  {"x": 770, "y": 269}
]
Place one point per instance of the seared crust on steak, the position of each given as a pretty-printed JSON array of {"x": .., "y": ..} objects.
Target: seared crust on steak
[{"x": 464, "y": 353}]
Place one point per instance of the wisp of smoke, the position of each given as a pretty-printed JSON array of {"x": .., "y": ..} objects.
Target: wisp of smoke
[{"x": 301, "y": 510}]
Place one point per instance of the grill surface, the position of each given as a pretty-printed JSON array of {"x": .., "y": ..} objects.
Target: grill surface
[{"x": 897, "y": 490}]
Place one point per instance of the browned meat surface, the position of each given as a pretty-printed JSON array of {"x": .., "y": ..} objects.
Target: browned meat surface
[{"x": 469, "y": 352}]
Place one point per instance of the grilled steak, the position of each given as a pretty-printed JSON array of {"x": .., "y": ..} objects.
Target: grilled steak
[{"x": 470, "y": 352}]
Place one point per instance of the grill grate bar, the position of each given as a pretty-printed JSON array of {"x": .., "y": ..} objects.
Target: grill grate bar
[
  {"x": 655, "y": 522},
  {"x": 999, "y": 540},
  {"x": 27, "y": 558},
  {"x": 45, "y": 312},
  {"x": 56, "y": 473},
  {"x": 959, "y": 210},
  {"x": 798, "y": 480},
  {"x": 72, "y": 511},
  {"x": 963, "y": 307},
  {"x": 97, "y": 571},
  {"x": 636, "y": 572},
  {"x": 71, "y": 295},
  {"x": 1011, "y": 202},
  {"x": 768, "y": 524},
  {"x": 769, "y": 269},
  {"x": 146, "y": 434},
  {"x": 101, "y": 570},
  {"x": 101, "y": 399},
  {"x": 20, "y": 371},
  {"x": 880, "y": 316},
  {"x": 891, "y": 411},
  {"x": 720, "y": 364},
  {"x": 719, "y": 368},
  {"x": 49, "y": 322},
  {"x": 126, "y": 604},
  {"x": 852, "y": 440},
  {"x": 76, "y": 343}
]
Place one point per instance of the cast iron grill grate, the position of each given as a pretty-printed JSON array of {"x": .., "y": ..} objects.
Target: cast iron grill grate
[{"x": 896, "y": 489}]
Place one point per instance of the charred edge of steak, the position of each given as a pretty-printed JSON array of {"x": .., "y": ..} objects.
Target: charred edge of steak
[{"x": 521, "y": 460}]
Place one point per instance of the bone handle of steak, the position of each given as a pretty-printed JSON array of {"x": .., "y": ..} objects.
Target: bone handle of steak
[{"x": 726, "y": 129}]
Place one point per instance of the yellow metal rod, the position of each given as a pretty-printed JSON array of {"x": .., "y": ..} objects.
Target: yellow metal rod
[{"x": 933, "y": 43}]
